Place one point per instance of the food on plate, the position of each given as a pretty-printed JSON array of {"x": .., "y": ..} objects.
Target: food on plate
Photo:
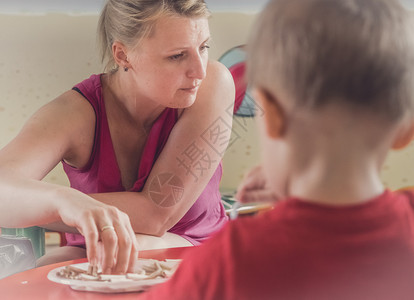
[{"x": 147, "y": 269}]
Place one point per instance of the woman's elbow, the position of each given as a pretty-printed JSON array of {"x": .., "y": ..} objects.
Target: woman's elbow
[
  {"x": 165, "y": 225},
  {"x": 159, "y": 224}
]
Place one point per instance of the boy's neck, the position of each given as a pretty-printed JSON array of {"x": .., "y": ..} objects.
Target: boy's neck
[
  {"x": 336, "y": 158},
  {"x": 343, "y": 183}
]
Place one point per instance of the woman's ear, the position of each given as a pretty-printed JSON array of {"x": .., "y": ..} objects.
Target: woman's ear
[
  {"x": 274, "y": 116},
  {"x": 119, "y": 53},
  {"x": 404, "y": 137}
]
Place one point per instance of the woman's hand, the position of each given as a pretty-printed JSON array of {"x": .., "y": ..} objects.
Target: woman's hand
[
  {"x": 106, "y": 225},
  {"x": 27, "y": 202},
  {"x": 254, "y": 187}
]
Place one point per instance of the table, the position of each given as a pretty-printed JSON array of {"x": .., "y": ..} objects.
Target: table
[{"x": 33, "y": 284}]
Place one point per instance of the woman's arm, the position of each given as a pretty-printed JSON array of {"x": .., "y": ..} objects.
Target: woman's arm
[
  {"x": 49, "y": 136},
  {"x": 204, "y": 130},
  {"x": 44, "y": 140},
  {"x": 205, "y": 126}
]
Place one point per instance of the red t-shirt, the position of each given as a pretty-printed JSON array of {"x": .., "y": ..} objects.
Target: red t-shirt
[{"x": 302, "y": 250}]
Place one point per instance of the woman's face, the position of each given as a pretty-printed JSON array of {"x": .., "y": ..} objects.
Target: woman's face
[{"x": 169, "y": 65}]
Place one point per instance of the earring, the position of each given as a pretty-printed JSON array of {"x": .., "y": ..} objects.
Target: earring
[{"x": 126, "y": 69}]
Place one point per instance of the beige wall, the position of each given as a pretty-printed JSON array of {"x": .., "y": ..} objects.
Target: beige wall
[{"x": 43, "y": 56}]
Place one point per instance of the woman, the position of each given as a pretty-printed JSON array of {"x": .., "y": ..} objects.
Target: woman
[{"x": 145, "y": 138}]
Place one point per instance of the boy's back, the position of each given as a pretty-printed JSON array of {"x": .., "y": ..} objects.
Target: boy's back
[
  {"x": 335, "y": 81},
  {"x": 302, "y": 250}
]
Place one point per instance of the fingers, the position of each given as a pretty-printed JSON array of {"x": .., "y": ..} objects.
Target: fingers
[
  {"x": 90, "y": 232},
  {"x": 109, "y": 237},
  {"x": 120, "y": 246},
  {"x": 111, "y": 228},
  {"x": 109, "y": 240},
  {"x": 254, "y": 179},
  {"x": 263, "y": 195},
  {"x": 253, "y": 188},
  {"x": 127, "y": 253},
  {"x": 124, "y": 250},
  {"x": 134, "y": 251},
  {"x": 241, "y": 196}
]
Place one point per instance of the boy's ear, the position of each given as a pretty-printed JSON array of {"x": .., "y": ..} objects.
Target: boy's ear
[
  {"x": 274, "y": 116},
  {"x": 119, "y": 53},
  {"x": 404, "y": 137}
]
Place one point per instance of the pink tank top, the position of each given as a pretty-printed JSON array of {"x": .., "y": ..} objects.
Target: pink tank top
[{"x": 101, "y": 174}]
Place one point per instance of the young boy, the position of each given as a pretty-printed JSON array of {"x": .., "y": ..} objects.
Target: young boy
[{"x": 335, "y": 79}]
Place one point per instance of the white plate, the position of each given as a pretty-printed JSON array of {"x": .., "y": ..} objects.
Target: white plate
[{"x": 128, "y": 285}]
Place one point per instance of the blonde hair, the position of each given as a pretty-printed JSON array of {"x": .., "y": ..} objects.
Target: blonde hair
[
  {"x": 355, "y": 52},
  {"x": 128, "y": 21}
]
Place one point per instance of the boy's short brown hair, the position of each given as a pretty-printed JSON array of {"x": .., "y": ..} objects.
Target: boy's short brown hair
[{"x": 356, "y": 52}]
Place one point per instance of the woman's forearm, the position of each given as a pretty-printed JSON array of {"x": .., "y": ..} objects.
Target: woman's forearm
[
  {"x": 59, "y": 226},
  {"x": 145, "y": 216},
  {"x": 26, "y": 202}
]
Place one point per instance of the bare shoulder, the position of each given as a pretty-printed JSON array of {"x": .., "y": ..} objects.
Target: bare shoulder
[
  {"x": 219, "y": 76},
  {"x": 70, "y": 102},
  {"x": 67, "y": 122},
  {"x": 61, "y": 129},
  {"x": 68, "y": 112},
  {"x": 218, "y": 86},
  {"x": 217, "y": 69}
]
